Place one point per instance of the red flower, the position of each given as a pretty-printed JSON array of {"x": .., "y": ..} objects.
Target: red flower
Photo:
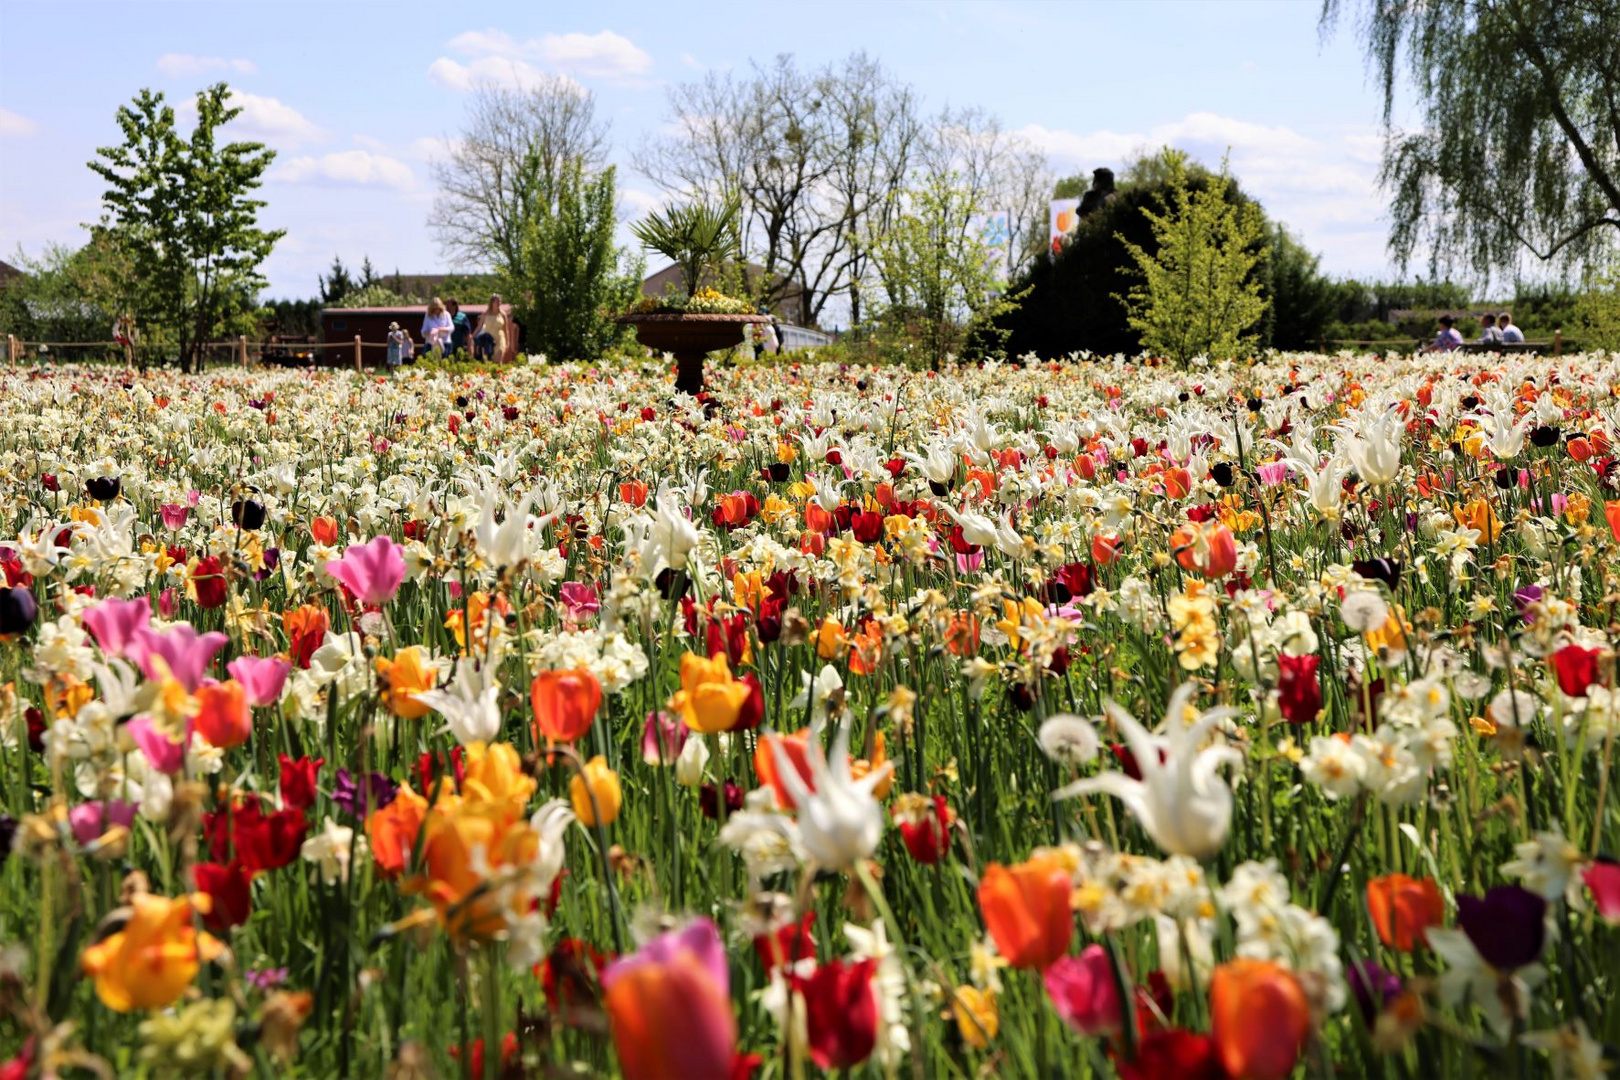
[
  {"x": 1603, "y": 879},
  {"x": 229, "y": 888},
  {"x": 208, "y": 578},
  {"x": 1299, "y": 694},
  {"x": 925, "y": 827},
  {"x": 842, "y": 1012},
  {"x": 1577, "y": 669},
  {"x": 431, "y": 765},
  {"x": 729, "y": 636},
  {"x": 259, "y": 841},
  {"x": 867, "y": 526},
  {"x": 753, "y": 710},
  {"x": 571, "y": 974},
  {"x": 787, "y": 944},
  {"x": 298, "y": 781},
  {"x": 1172, "y": 1055}
]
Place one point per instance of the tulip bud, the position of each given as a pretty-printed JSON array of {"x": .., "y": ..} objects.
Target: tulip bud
[{"x": 595, "y": 793}]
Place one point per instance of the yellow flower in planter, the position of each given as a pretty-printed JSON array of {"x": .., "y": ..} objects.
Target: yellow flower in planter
[
  {"x": 595, "y": 793},
  {"x": 150, "y": 962}
]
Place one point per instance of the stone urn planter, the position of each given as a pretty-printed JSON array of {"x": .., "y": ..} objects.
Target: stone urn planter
[{"x": 690, "y": 338}]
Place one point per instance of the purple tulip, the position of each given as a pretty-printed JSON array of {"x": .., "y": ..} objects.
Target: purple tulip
[
  {"x": 349, "y": 797},
  {"x": 1373, "y": 987},
  {"x": 1508, "y": 926}
]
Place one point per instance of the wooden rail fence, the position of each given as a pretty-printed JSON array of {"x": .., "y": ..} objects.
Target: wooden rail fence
[{"x": 17, "y": 350}]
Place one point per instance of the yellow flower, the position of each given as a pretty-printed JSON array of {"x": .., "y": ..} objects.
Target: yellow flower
[
  {"x": 831, "y": 640},
  {"x": 406, "y": 675},
  {"x": 1016, "y": 613},
  {"x": 1479, "y": 515},
  {"x": 775, "y": 509},
  {"x": 977, "y": 1017},
  {"x": 595, "y": 793},
  {"x": 150, "y": 962},
  {"x": 1392, "y": 635},
  {"x": 710, "y": 697}
]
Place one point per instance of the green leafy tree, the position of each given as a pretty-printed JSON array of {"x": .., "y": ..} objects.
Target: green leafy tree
[
  {"x": 938, "y": 277},
  {"x": 1518, "y": 146},
  {"x": 567, "y": 283},
  {"x": 1303, "y": 299},
  {"x": 67, "y": 294},
  {"x": 374, "y": 295},
  {"x": 1198, "y": 293},
  {"x": 181, "y": 211},
  {"x": 336, "y": 283}
]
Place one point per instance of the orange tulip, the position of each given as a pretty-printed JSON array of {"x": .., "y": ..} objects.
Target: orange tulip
[
  {"x": 633, "y": 492},
  {"x": 1208, "y": 549},
  {"x": 962, "y": 634},
  {"x": 1611, "y": 510},
  {"x": 1580, "y": 448},
  {"x": 324, "y": 530},
  {"x": 818, "y": 519},
  {"x": 403, "y": 677},
  {"x": 1177, "y": 482},
  {"x": 565, "y": 704},
  {"x": 1259, "y": 1019},
  {"x": 1480, "y": 516},
  {"x": 223, "y": 717},
  {"x": 1403, "y": 908},
  {"x": 1026, "y": 908},
  {"x": 796, "y": 749},
  {"x": 1104, "y": 549},
  {"x": 149, "y": 963},
  {"x": 392, "y": 830}
]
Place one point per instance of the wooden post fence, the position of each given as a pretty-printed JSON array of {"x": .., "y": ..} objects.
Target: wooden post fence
[
  {"x": 357, "y": 366},
  {"x": 241, "y": 348}
]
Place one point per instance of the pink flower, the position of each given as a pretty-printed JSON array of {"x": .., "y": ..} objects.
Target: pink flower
[
  {"x": 174, "y": 515},
  {"x": 89, "y": 820},
  {"x": 168, "y": 603},
  {"x": 185, "y": 654},
  {"x": 1603, "y": 878},
  {"x": 663, "y": 734},
  {"x": 371, "y": 571},
  {"x": 579, "y": 601},
  {"x": 1083, "y": 992},
  {"x": 161, "y": 752},
  {"x": 261, "y": 678},
  {"x": 192, "y": 497},
  {"x": 1273, "y": 474},
  {"x": 967, "y": 564},
  {"x": 114, "y": 623}
]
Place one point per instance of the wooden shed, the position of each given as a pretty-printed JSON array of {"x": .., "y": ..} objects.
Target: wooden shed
[{"x": 340, "y": 325}]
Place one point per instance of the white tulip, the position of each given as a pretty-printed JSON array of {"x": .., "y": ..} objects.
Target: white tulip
[{"x": 840, "y": 823}]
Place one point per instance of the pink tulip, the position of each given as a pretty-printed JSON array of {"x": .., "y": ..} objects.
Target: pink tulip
[
  {"x": 371, "y": 571},
  {"x": 174, "y": 515},
  {"x": 114, "y": 623},
  {"x": 579, "y": 601},
  {"x": 669, "y": 1006},
  {"x": 1603, "y": 878},
  {"x": 967, "y": 564},
  {"x": 185, "y": 654},
  {"x": 662, "y": 738},
  {"x": 1083, "y": 992},
  {"x": 261, "y": 678},
  {"x": 192, "y": 498},
  {"x": 168, "y": 604},
  {"x": 161, "y": 752},
  {"x": 1273, "y": 474},
  {"x": 90, "y": 820}
]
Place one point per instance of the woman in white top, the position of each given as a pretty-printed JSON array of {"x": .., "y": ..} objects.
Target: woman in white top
[
  {"x": 489, "y": 339},
  {"x": 436, "y": 327}
]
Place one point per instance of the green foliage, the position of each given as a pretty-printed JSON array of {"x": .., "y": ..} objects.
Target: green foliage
[
  {"x": 699, "y": 236},
  {"x": 1303, "y": 299},
  {"x": 1198, "y": 293},
  {"x": 291, "y": 318},
  {"x": 67, "y": 294},
  {"x": 568, "y": 281},
  {"x": 1598, "y": 311},
  {"x": 938, "y": 277},
  {"x": 336, "y": 283},
  {"x": 178, "y": 210},
  {"x": 374, "y": 296},
  {"x": 1517, "y": 148}
]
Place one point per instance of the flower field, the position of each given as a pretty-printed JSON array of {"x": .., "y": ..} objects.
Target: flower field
[{"x": 1062, "y": 720}]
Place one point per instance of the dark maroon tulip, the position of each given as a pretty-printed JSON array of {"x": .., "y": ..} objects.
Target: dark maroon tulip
[{"x": 1508, "y": 925}]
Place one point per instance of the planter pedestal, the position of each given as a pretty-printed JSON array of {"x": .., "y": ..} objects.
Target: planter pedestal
[{"x": 690, "y": 338}]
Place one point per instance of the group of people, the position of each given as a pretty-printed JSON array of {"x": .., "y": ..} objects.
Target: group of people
[
  {"x": 446, "y": 330},
  {"x": 1494, "y": 329}
]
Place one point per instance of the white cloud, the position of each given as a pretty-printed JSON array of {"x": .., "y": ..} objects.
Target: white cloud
[
  {"x": 15, "y": 126},
  {"x": 1323, "y": 185},
  {"x": 494, "y": 71},
  {"x": 263, "y": 118},
  {"x": 602, "y": 55},
  {"x": 633, "y": 203},
  {"x": 184, "y": 65},
  {"x": 432, "y": 148},
  {"x": 347, "y": 168}
]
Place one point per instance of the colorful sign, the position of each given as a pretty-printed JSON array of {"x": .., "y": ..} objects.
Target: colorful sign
[{"x": 1065, "y": 216}]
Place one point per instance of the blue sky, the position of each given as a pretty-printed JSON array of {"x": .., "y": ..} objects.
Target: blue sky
[{"x": 357, "y": 97}]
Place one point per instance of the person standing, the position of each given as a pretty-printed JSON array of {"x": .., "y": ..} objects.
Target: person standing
[
  {"x": 398, "y": 342},
  {"x": 460, "y": 327},
  {"x": 1511, "y": 335},
  {"x": 436, "y": 327},
  {"x": 1488, "y": 333},
  {"x": 489, "y": 339}
]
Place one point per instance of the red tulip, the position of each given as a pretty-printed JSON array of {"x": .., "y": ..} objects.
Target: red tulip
[
  {"x": 925, "y": 826},
  {"x": 1260, "y": 1019},
  {"x": 208, "y": 578},
  {"x": 1577, "y": 669},
  {"x": 1299, "y": 694},
  {"x": 1603, "y": 879},
  {"x": 841, "y": 1007},
  {"x": 229, "y": 888},
  {"x": 298, "y": 781}
]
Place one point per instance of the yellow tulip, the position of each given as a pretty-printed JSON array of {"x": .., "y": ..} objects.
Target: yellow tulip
[
  {"x": 406, "y": 675},
  {"x": 150, "y": 962},
  {"x": 710, "y": 697},
  {"x": 595, "y": 793},
  {"x": 977, "y": 1017}
]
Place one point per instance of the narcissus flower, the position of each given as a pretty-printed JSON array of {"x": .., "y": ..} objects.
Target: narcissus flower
[
  {"x": 149, "y": 963},
  {"x": 977, "y": 1017},
  {"x": 710, "y": 698},
  {"x": 1259, "y": 1019},
  {"x": 669, "y": 1007},
  {"x": 595, "y": 793},
  {"x": 1403, "y": 908},
  {"x": 1026, "y": 908},
  {"x": 565, "y": 704}
]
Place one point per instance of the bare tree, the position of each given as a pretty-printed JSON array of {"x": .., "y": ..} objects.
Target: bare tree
[
  {"x": 515, "y": 142},
  {"x": 1001, "y": 170}
]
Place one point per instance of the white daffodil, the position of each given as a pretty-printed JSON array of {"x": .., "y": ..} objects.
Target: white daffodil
[{"x": 1180, "y": 801}]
